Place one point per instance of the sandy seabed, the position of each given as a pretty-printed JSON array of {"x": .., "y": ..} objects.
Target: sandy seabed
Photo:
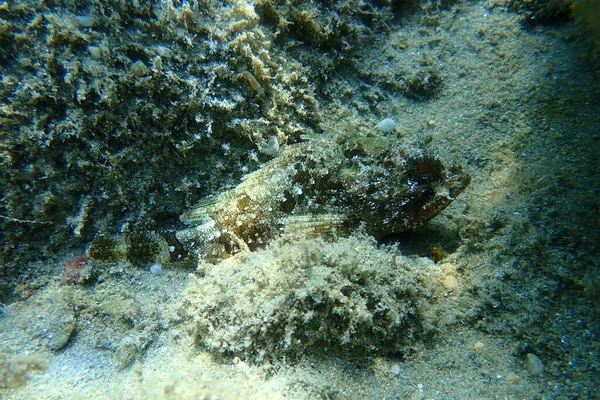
[{"x": 513, "y": 308}]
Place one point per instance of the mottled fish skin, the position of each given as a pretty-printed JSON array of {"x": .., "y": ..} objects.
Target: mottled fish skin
[
  {"x": 138, "y": 248},
  {"x": 329, "y": 184}
]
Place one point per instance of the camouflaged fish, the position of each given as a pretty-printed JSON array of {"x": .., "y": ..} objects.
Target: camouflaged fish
[
  {"x": 326, "y": 185},
  {"x": 329, "y": 183}
]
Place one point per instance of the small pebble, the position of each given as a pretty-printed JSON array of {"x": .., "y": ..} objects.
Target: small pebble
[
  {"x": 139, "y": 69},
  {"x": 479, "y": 346},
  {"x": 396, "y": 369},
  {"x": 513, "y": 378},
  {"x": 156, "y": 269},
  {"x": 450, "y": 282},
  {"x": 95, "y": 52},
  {"x": 272, "y": 146},
  {"x": 387, "y": 125},
  {"x": 534, "y": 364},
  {"x": 84, "y": 21}
]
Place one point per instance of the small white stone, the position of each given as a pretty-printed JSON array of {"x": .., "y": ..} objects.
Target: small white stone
[
  {"x": 156, "y": 269},
  {"x": 387, "y": 125},
  {"x": 272, "y": 147},
  {"x": 95, "y": 52},
  {"x": 396, "y": 369},
  {"x": 84, "y": 21}
]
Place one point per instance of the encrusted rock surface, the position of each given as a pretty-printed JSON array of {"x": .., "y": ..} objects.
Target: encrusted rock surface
[{"x": 310, "y": 295}]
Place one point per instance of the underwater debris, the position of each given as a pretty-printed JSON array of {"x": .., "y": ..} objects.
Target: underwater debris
[{"x": 329, "y": 183}]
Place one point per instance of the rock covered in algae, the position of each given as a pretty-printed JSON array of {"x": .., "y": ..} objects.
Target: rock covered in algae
[
  {"x": 329, "y": 183},
  {"x": 345, "y": 296}
]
